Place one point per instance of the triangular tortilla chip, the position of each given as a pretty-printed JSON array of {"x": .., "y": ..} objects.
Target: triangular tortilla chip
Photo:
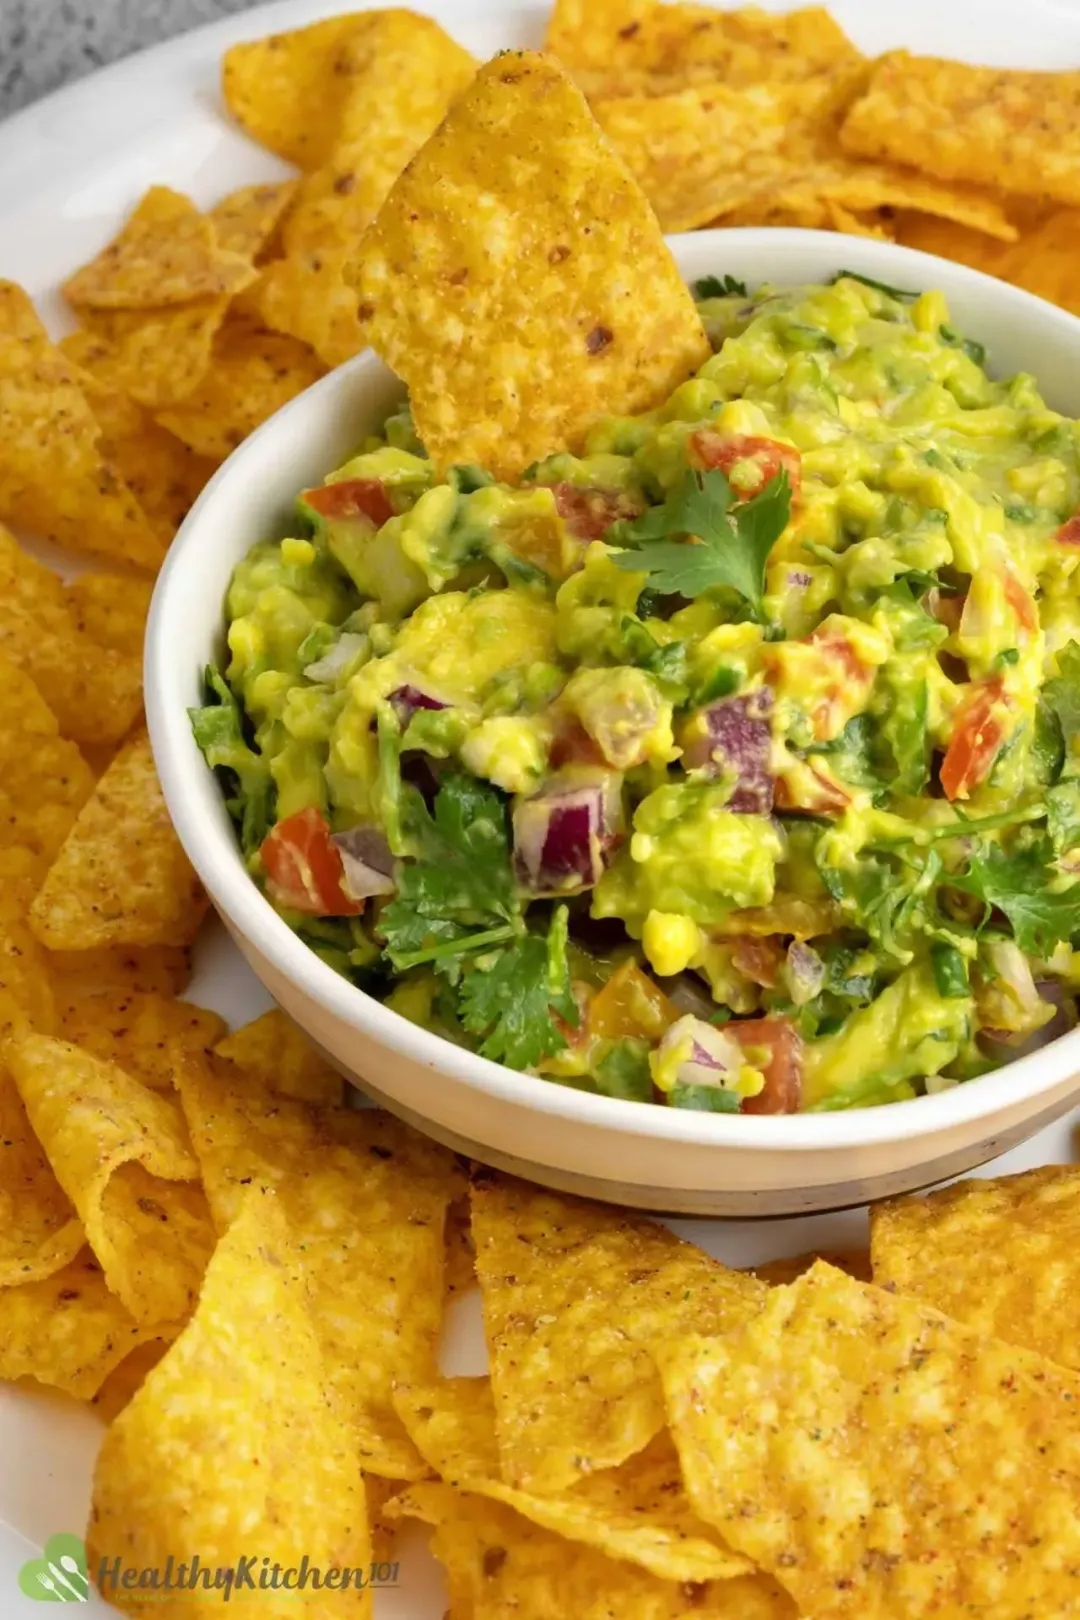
[{"x": 166, "y": 253}]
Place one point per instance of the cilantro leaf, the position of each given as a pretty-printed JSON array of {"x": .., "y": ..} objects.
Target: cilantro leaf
[
  {"x": 1063, "y": 816},
  {"x": 1018, "y": 884},
  {"x": 719, "y": 287},
  {"x": 1062, "y": 692},
  {"x": 510, "y": 1001},
  {"x": 624, "y": 1072},
  {"x": 878, "y": 286},
  {"x": 218, "y": 730},
  {"x": 974, "y": 351},
  {"x": 730, "y": 545}
]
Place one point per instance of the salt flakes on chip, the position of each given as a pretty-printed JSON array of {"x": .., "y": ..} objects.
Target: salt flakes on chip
[
  {"x": 140, "y": 1030},
  {"x": 880, "y": 1460},
  {"x": 515, "y": 327},
  {"x": 366, "y": 1200},
  {"x": 637, "y": 1511},
  {"x": 576, "y": 1296},
  {"x": 121, "y": 877},
  {"x": 54, "y": 477},
  {"x": 166, "y": 253},
  {"x": 277, "y": 1052},
  {"x": 232, "y": 1446},
  {"x": 120, "y": 1152}
]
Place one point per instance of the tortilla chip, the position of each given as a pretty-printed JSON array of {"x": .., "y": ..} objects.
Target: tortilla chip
[
  {"x": 1012, "y": 129},
  {"x": 164, "y": 475},
  {"x": 166, "y": 253},
  {"x": 252, "y": 373},
  {"x": 460, "y": 1249},
  {"x": 881, "y": 1460},
  {"x": 708, "y": 152},
  {"x": 245, "y": 221},
  {"x": 118, "y": 970},
  {"x": 121, "y": 877},
  {"x": 1001, "y": 1256},
  {"x": 366, "y": 1202},
  {"x": 640, "y": 47},
  {"x": 26, "y": 997},
  {"x": 96, "y": 696},
  {"x": 1044, "y": 261},
  {"x": 576, "y": 1297},
  {"x": 44, "y": 780},
  {"x": 506, "y": 322},
  {"x": 140, "y": 1031},
  {"x": 378, "y": 1493},
  {"x": 120, "y": 1152},
  {"x": 498, "y": 1564},
  {"x": 276, "y": 1051},
  {"x": 638, "y": 1511},
  {"x": 950, "y": 241},
  {"x": 39, "y": 1229},
  {"x": 404, "y": 72},
  {"x": 124, "y": 1382},
  {"x": 68, "y": 1329},
  {"x": 54, "y": 477},
  {"x": 856, "y": 1262},
  {"x": 287, "y": 89},
  {"x": 232, "y": 1448},
  {"x": 111, "y": 610},
  {"x": 160, "y": 356}
]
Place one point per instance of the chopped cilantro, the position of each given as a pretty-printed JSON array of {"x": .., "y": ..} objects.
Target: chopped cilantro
[
  {"x": 719, "y": 287},
  {"x": 728, "y": 545},
  {"x": 974, "y": 351},
  {"x": 705, "y": 1099},
  {"x": 218, "y": 730},
  {"x": 878, "y": 286},
  {"x": 1020, "y": 885},
  {"x": 1062, "y": 691},
  {"x": 508, "y": 1001},
  {"x": 624, "y": 1072},
  {"x": 950, "y": 969},
  {"x": 1063, "y": 816}
]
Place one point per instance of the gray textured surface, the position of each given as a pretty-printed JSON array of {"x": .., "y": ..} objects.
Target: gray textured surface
[{"x": 47, "y": 43}]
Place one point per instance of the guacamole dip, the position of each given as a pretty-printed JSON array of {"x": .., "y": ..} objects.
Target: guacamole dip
[{"x": 730, "y": 765}]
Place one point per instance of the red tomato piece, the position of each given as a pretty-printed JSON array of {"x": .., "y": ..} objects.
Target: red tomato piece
[
  {"x": 848, "y": 688},
  {"x": 1069, "y": 533},
  {"x": 782, "y": 1093},
  {"x": 572, "y": 745},
  {"x": 589, "y": 513},
  {"x": 759, "y": 958},
  {"x": 351, "y": 498},
  {"x": 304, "y": 870},
  {"x": 723, "y": 450},
  {"x": 812, "y": 789},
  {"x": 1022, "y": 603},
  {"x": 977, "y": 736}
]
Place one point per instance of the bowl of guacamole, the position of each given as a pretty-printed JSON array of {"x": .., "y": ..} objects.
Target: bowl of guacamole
[{"x": 727, "y": 768}]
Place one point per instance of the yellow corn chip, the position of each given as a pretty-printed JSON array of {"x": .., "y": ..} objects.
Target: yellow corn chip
[
  {"x": 576, "y": 1296},
  {"x": 1044, "y": 260},
  {"x": 276, "y": 1051},
  {"x": 125, "y": 1381},
  {"x": 378, "y": 1493},
  {"x": 119, "y": 971},
  {"x": 245, "y": 221},
  {"x": 120, "y": 1153},
  {"x": 1001, "y": 127},
  {"x": 111, "y": 609},
  {"x": 881, "y": 1460},
  {"x": 44, "y": 780},
  {"x": 159, "y": 356},
  {"x": 500, "y": 1565},
  {"x": 637, "y": 1511},
  {"x": 287, "y": 89},
  {"x": 96, "y": 696},
  {"x": 366, "y": 1202},
  {"x": 950, "y": 241},
  {"x": 39, "y": 1230},
  {"x": 460, "y": 1249},
  {"x": 166, "y": 253},
  {"x": 507, "y": 323},
  {"x": 162, "y": 473},
  {"x": 999, "y": 1255},
  {"x": 121, "y": 877},
  {"x": 138, "y": 1030},
  {"x": 404, "y": 71},
  {"x": 856, "y": 1262},
  {"x": 26, "y": 997},
  {"x": 54, "y": 478},
  {"x": 68, "y": 1329},
  {"x": 252, "y": 373},
  {"x": 640, "y": 47},
  {"x": 232, "y": 1449}
]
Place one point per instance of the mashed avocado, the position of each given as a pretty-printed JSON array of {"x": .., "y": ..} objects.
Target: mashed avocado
[{"x": 741, "y": 742}]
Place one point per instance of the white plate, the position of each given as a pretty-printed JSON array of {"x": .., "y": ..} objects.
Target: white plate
[{"x": 70, "y": 168}]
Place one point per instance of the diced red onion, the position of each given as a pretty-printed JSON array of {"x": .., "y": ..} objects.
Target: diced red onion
[
  {"x": 367, "y": 862},
  {"x": 563, "y": 833},
  {"x": 734, "y": 735},
  {"x": 798, "y": 579},
  {"x": 340, "y": 655},
  {"x": 713, "y": 1056},
  {"x": 804, "y": 972},
  {"x": 405, "y": 701}
]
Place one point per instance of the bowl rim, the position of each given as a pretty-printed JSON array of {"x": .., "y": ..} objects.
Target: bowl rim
[{"x": 212, "y": 849}]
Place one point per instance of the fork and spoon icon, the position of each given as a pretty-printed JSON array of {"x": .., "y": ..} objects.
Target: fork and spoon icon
[{"x": 70, "y": 1567}]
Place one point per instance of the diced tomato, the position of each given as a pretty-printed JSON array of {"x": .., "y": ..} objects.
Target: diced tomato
[
  {"x": 572, "y": 745},
  {"x": 827, "y": 666},
  {"x": 1069, "y": 533},
  {"x": 351, "y": 498},
  {"x": 1022, "y": 602},
  {"x": 589, "y": 513},
  {"x": 630, "y": 1006},
  {"x": 808, "y": 785},
  {"x": 759, "y": 958},
  {"x": 977, "y": 736},
  {"x": 782, "y": 1070},
  {"x": 304, "y": 870},
  {"x": 712, "y": 449}
]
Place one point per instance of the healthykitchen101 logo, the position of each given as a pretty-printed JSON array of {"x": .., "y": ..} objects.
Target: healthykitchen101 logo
[{"x": 59, "y": 1575}]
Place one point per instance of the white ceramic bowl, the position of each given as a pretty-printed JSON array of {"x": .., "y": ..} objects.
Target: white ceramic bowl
[{"x": 655, "y": 1158}]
